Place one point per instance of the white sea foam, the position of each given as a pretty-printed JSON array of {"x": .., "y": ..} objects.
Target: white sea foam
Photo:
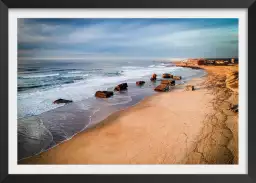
[
  {"x": 74, "y": 75},
  {"x": 75, "y": 72},
  {"x": 39, "y": 76},
  {"x": 131, "y": 67}
]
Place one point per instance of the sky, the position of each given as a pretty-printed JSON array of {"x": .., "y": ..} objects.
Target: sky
[{"x": 108, "y": 39}]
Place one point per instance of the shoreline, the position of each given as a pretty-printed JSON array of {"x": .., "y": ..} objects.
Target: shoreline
[
  {"x": 99, "y": 116},
  {"x": 144, "y": 99},
  {"x": 45, "y": 157}
]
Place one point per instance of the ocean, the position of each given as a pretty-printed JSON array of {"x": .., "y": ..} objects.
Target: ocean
[{"x": 43, "y": 125}]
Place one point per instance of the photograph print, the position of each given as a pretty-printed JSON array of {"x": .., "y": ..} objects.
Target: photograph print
[{"x": 128, "y": 91}]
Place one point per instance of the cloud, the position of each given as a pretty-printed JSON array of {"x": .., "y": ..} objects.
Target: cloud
[{"x": 78, "y": 38}]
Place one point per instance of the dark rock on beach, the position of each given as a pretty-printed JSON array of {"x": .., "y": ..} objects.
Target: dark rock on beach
[
  {"x": 169, "y": 82},
  {"x": 166, "y": 75},
  {"x": 162, "y": 88},
  {"x": 189, "y": 88},
  {"x": 140, "y": 83},
  {"x": 153, "y": 78},
  {"x": 177, "y": 77},
  {"x": 121, "y": 87},
  {"x": 62, "y": 101},
  {"x": 104, "y": 94}
]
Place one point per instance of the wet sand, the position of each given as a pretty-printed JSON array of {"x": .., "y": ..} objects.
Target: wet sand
[{"x": 187, "y": 127}]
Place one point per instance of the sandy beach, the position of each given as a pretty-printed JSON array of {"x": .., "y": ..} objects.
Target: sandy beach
[{"x": 175, "y": 127}]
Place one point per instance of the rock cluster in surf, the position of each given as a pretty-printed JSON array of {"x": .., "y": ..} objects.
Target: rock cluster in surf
[{"x": 164, "y": 86}]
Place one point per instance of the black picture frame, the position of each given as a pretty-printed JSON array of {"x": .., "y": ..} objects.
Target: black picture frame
[{"x": 5, "y": 177}]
